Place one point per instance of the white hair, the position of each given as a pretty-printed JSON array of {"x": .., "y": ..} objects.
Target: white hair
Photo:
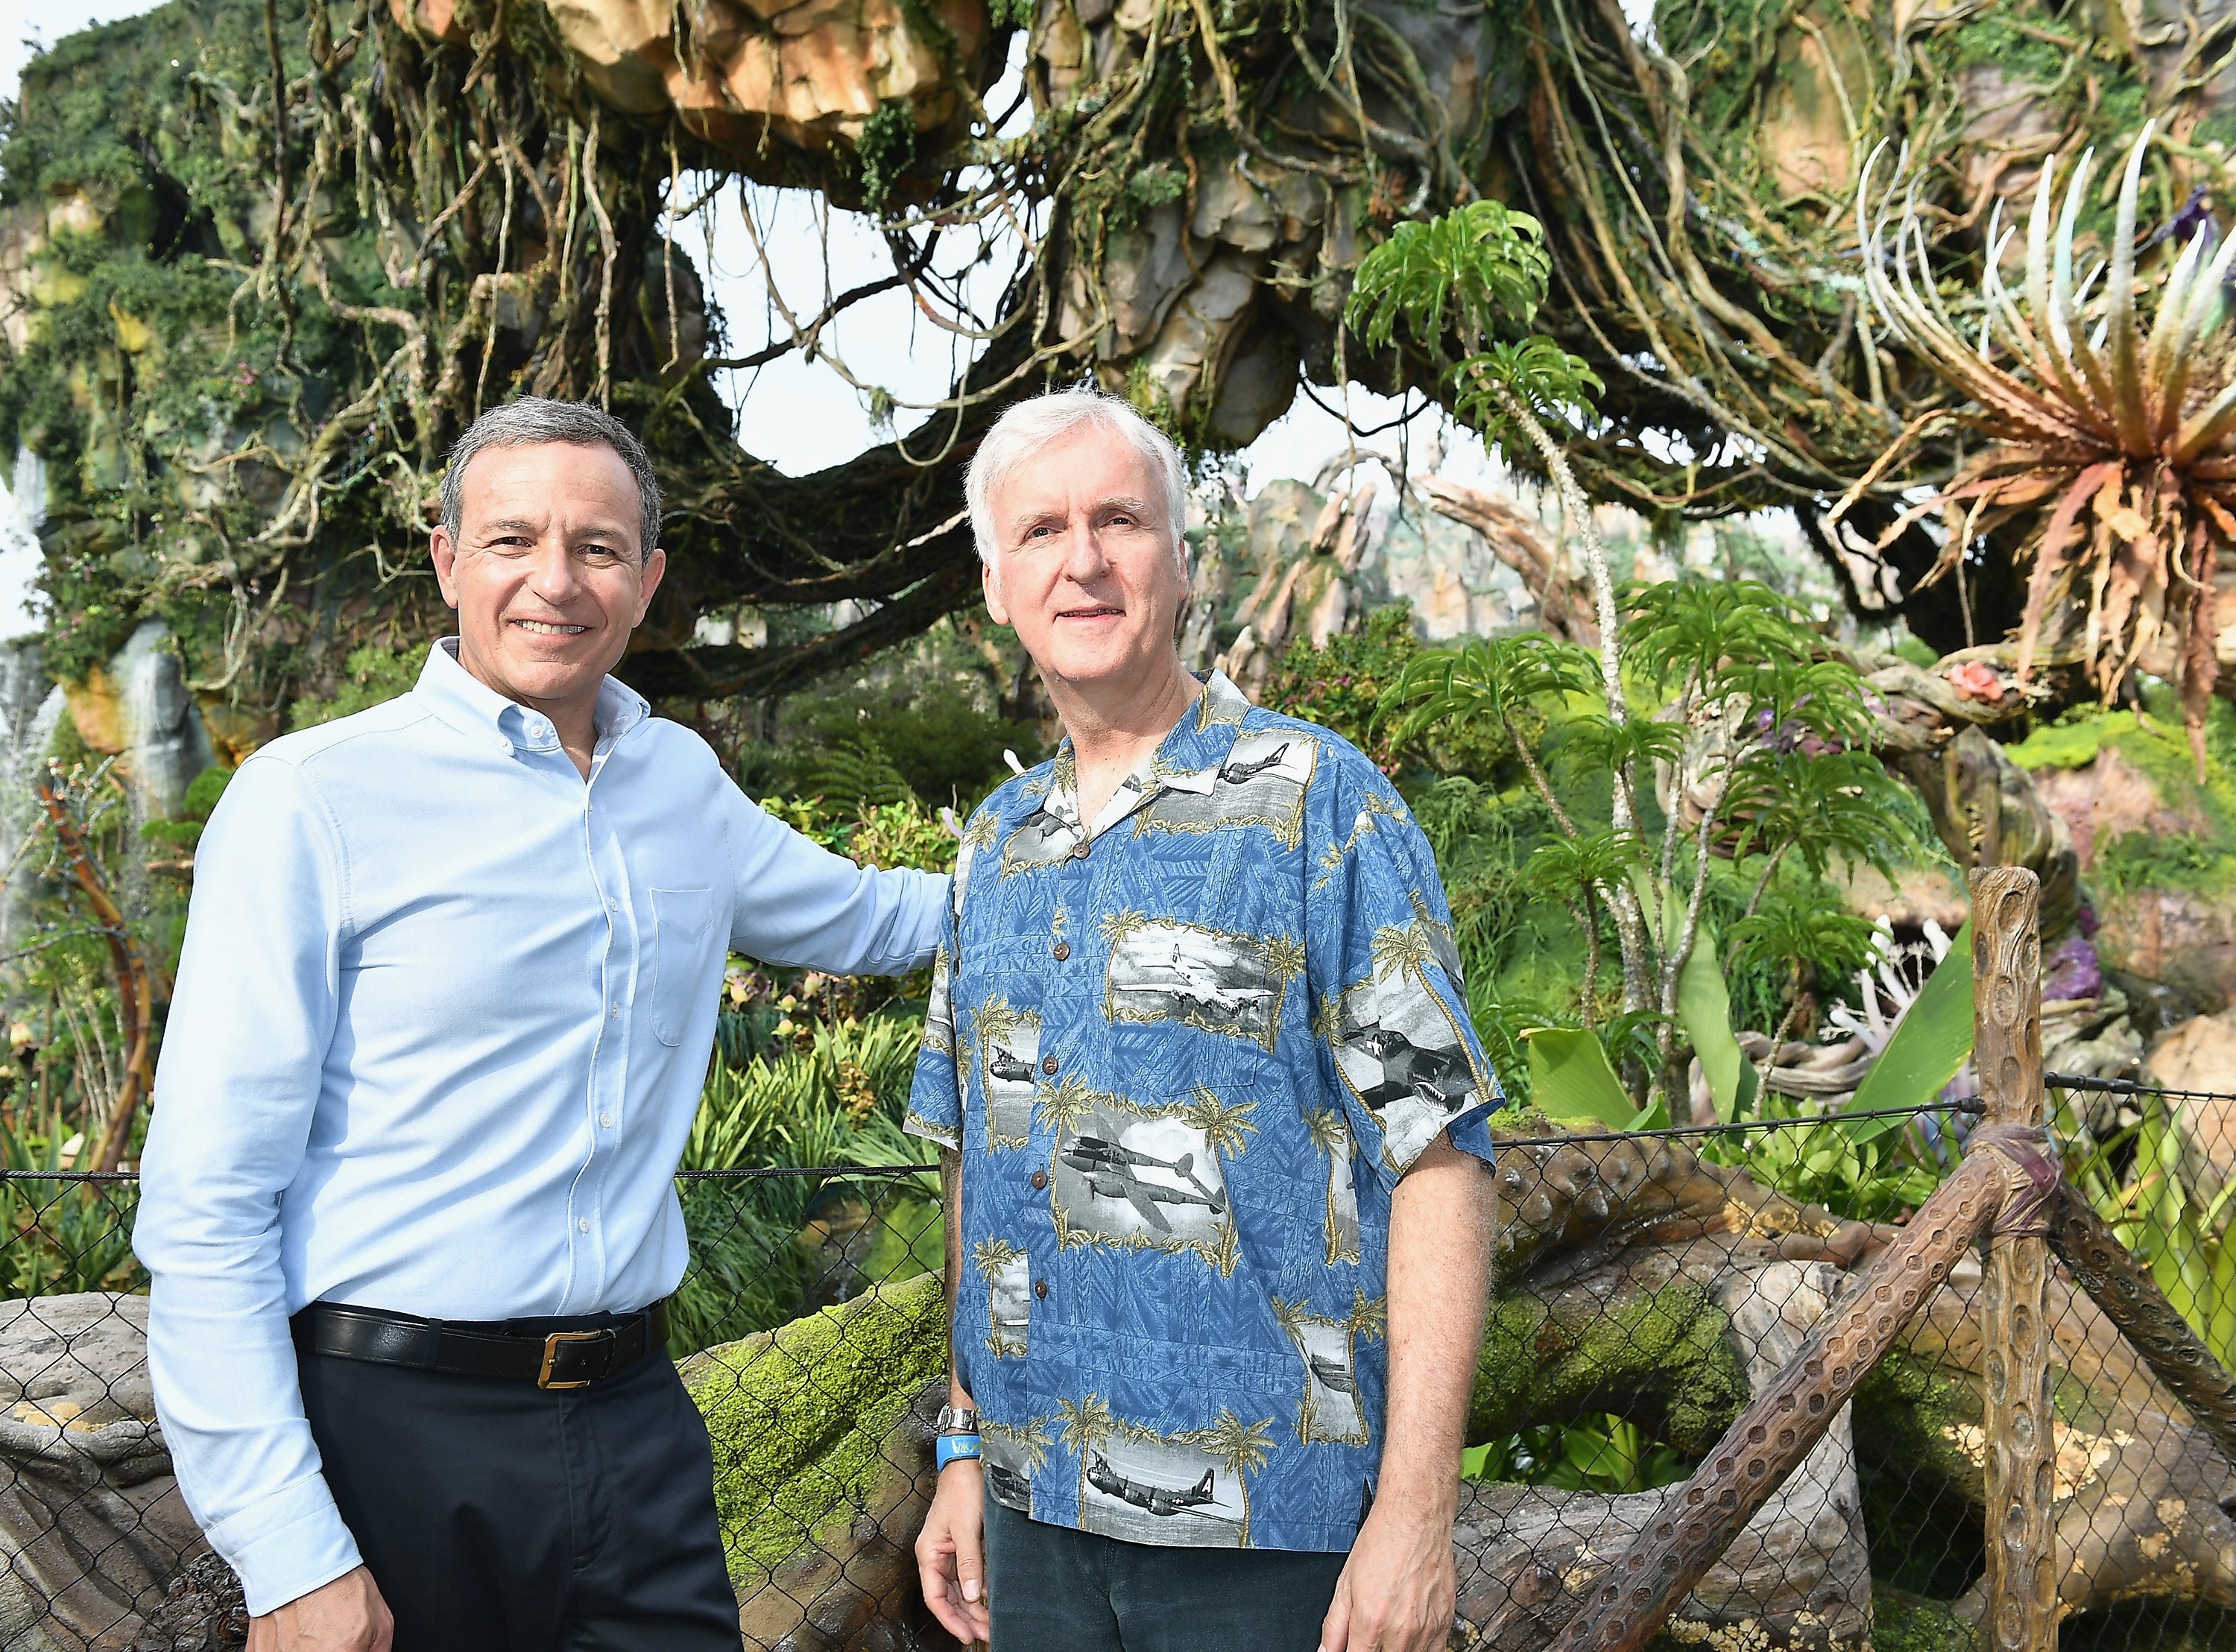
[{"x": 1030, "y": 426}]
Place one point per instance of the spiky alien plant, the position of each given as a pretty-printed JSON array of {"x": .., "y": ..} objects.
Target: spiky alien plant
[{"x": 2110, "y": 443}]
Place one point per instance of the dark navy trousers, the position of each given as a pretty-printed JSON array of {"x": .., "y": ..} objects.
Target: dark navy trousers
[
  {"x": 1053, "y": 1590},
  {"x": 496, "y": 1517}
]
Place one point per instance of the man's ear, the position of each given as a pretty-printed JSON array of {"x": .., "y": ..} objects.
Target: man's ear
[
  {"x": 990, "y": 581},
  {"x": 655, "y": 564},
  {"x": 444, "y": 554}
]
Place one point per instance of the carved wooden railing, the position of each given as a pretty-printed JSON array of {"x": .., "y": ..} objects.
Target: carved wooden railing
[{"x": 2010, "y": 1189}]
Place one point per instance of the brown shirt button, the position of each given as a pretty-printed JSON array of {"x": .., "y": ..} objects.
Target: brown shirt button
[
  {"x": 1048, "y": 1065},
  {"x": 1040, "y": 1288},
  {"x": 1063, "y": 950},
  {"x": 1040, "y": 1180},
  {"x": 1080, "y": 853}
]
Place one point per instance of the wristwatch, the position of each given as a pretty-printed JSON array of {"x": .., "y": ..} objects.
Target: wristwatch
[{"x": 956, "y": 1420}]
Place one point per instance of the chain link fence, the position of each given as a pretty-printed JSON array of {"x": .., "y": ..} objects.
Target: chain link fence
[{"x": 1650, "y": 1282}]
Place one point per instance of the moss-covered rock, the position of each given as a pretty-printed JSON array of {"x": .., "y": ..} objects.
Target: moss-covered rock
[
  {"x": 806, "y": 1419},
  {"x": 1662, "y": 1353},
  {"x": 1902, "y": 1623}
]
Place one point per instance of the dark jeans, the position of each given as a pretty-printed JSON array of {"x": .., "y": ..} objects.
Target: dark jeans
[
  {"x": 496, "y": 1517},
  {"x": 1054, "y": 1589}
]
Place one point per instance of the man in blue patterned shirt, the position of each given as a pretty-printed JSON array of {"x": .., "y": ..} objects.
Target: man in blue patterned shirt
[{"x": 1220, "y": 1216}]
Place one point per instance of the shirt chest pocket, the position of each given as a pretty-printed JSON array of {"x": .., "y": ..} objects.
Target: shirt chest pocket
[{"x": 683, "y": 972}]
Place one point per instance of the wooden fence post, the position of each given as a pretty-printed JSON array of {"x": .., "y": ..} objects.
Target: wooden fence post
[{"x": 2022, "y": 1579}]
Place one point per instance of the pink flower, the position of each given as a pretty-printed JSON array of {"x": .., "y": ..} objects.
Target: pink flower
[{"x": 1974, "y": 680}]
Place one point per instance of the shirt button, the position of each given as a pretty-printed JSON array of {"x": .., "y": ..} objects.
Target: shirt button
[
  {"x": 1048, "y": 1065},
  {"x": 615, "y": 1012},
  {"x": 1040, "y": 1180},
  {"x": 1063, "y": 950},
  {"x": 583, "y": 1226},
  {"x": 605, "y": 1121},
  {"x": 1080, "y": 853},
  {"x": 1040, "y": 1288}
]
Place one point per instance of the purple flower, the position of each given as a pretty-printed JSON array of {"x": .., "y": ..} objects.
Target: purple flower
[{"x": 2073, "y": 971}]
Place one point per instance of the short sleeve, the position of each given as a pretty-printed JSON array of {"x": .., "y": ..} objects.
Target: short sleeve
[
  {"x": 1390, "y": 1007},
  {"x": 935, "y": 1105}
]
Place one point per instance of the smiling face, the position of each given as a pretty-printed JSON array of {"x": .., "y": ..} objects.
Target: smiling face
[
  {"x": 1084, "y": 568},
  {"x": 546, "y": 573}
]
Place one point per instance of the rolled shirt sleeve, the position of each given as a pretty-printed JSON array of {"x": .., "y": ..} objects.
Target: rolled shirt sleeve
[{"x": 235, "y": 1092}]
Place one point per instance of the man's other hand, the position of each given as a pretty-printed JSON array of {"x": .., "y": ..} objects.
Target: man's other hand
[
  {"x": 1399, "y": 1590},
  {"x": 345, "y": 1616},
  {"x": 950, "y": 1552}
]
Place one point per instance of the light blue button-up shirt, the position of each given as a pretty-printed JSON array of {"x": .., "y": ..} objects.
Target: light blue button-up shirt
[{"x": 441, "y": 1020}]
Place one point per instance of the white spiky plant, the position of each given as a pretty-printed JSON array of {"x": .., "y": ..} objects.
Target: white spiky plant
[{"x": 2110, "y": 441}]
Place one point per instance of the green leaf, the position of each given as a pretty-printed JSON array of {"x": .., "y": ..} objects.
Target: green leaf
[
  {"x": 1704, "y": 1010},
  {"x": 1934, "y": 1039},
  {"x": 1569, "y": 1078}
]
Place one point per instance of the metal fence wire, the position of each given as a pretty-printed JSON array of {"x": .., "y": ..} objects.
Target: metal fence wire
[{"x": 1651, "y": 1284}]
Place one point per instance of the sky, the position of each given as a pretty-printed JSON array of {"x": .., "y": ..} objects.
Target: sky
[{"x": 800, "y": 415}]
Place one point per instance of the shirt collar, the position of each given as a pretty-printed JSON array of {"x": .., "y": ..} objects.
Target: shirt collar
[
  {"x": 1197, "y": 740},
  {"x": 471, "y": 706}
]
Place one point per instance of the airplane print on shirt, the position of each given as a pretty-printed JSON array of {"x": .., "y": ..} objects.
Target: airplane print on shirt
[
  {"x": 1138, "y": 1178},
  {"x": 1400, "y": 1049},
  {"x": 1008, "y": 1275},
  {"x": 1142, "y": 1486},
  {"x": 1194, "y": 1048},
  {"x": 1009, "y": 1065},
  {"x": 1163, "y": 970},
  {"x": 1261, "y": 783},
  {"x": 1329, "y": 1347}
]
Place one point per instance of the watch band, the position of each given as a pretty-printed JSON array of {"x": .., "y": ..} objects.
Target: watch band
[
  {"x": 956, "y": 1420},
  {"x": 953, "y": 1448}
]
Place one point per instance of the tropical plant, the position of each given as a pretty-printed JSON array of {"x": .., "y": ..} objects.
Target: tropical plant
[
  {"x": 2110, "y": 445},
  {"x": 1760, "y": 743},
  {"x": 754, "y": 1261}
]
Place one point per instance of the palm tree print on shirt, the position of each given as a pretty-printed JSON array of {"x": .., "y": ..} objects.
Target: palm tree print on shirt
[{"x": 1329, "y": 1131}]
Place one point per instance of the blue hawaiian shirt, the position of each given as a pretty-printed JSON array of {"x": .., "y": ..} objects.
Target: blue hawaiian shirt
[{"x": 1185, "y": 1058}]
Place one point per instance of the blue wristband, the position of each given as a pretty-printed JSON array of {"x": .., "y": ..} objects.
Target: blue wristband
[{"x": 950, "y": 1448}]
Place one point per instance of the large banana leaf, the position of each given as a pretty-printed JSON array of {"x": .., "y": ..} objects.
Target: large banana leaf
[
  {"x": 1934, "y": 1039},
  {"x": 1703, "y": 1009},
  {"x": 1570, "y": 1079}
]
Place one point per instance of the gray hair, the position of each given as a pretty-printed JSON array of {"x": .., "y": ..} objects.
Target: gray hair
[
  {"x": 1030, "y": 426},
  {"x": 536, "y": 419}
]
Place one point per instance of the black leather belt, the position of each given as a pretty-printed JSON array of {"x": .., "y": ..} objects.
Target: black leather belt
[{"x": 574, "y": 1354}]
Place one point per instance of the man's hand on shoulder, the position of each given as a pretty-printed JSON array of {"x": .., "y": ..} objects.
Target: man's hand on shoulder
[
  {"x": 345, "y": 1616},
  {"x": 1398, "y": 1589},
  {"x": 950, "y": 1553}
]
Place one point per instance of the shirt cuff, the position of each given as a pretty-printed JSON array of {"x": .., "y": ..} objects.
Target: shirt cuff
[{"x": 285, "y": 1545}]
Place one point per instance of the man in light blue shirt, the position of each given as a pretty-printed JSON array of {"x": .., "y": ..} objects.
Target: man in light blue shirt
[{"x": 446, "y": 1002}]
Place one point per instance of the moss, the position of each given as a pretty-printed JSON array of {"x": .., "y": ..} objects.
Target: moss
[
  {"x": 1922, "y": 1493},
  {"x": 1906, "y": 1622},
  {"x": 800, "y": 1416},
  {"x": 371, "y": 676},
  {"x": 2068, "y": 742},
  {"x": 1664, "y": 1353}
]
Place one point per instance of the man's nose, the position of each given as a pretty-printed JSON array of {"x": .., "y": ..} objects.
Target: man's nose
[
  {"x": 552, "y": 573},
  {"x": 1083, "y": 557}
]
